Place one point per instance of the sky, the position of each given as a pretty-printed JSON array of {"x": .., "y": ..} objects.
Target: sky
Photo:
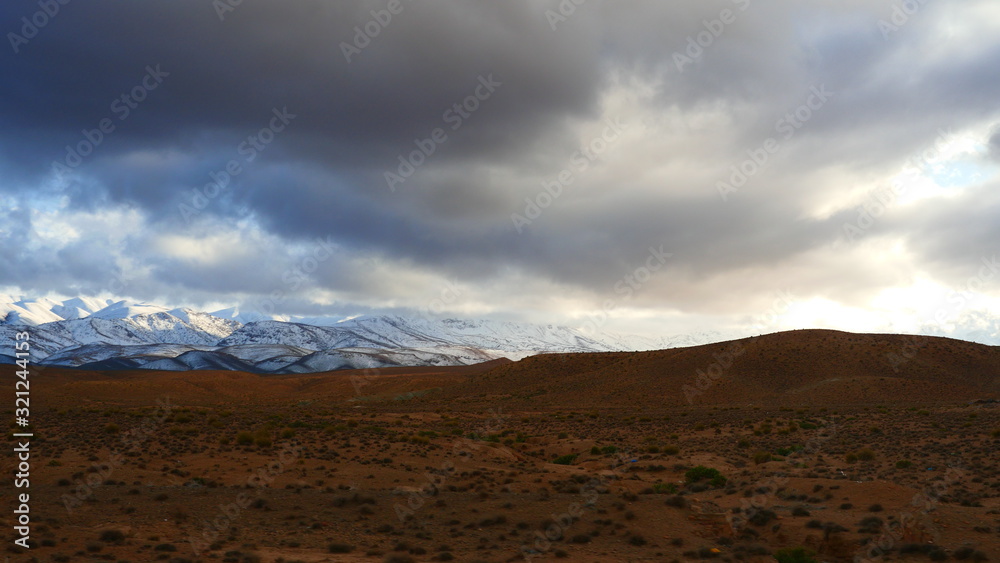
[{"x": 643, "y": 167}]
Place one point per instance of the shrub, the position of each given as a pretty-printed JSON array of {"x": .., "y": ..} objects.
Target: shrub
[
  {"x": 700, "y": 472},
  {"x": 762, "y": 517},
  {"x": 865, "y": 454},
  {"x": 111, "y": 428},
  {"x": 567, "y": 459},
  {"x": 637, "y": 541},
  {"x": 904, "y": 464},
  {"x": 676, "y": 501},
  {"x": 664, "y": 488},
  {"x": 795, "y": 555},
  {"x": 262, "y": 439},
  {"x": 112, "y": 536},
  {"x": 244, "y": 439},
  {"x": 761, "y": 456},
  {"x": 340, "y": 548}
]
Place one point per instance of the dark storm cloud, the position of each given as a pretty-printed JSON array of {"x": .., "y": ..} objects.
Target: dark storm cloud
[{"x": 225, "y": 77}]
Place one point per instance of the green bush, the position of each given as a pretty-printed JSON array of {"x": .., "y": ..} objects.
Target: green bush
[
  {"x": 567, "y": 459},
  {"x": 795, "y": 555},
  {"x": 865, "y": 454},
  {"x": 701, "y": 472},
  {"x": 244, "y": 439},
  {"x": 665, "y": 488}
]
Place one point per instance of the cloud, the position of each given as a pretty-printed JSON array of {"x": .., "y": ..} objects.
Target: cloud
[{"x": 610, "y": 133}]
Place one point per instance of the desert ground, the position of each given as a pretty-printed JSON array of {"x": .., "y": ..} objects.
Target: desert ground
[{"x": 793, "y": 447}]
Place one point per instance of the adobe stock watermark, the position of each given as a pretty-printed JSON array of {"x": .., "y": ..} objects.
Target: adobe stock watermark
[
  {"x": 786, "y": 126},
  {"x": 957, "y": 299},
  {"x": 365, "y": 34},
  {"x": 455, "y": 116},
  {"x": 225, "y": 7},
  {"x": 249, "y": 149},
  {"x": 448, "y": 294},
  {"x": 437, "y": 478},
  {"x": 298, "y": 274},
  {"x": 877, "y": 204},
  {"x": 560, "y": 524},
  {"x": 902, "y": 11},
  {"x": 31, "y": 26},
  {"x": 227, "y": 514},
  {"x": 626, "y": 287},
  {"x": 909, "y": 524},
  {"x": 707, "y": 377},
  {"x": 131, "y": 440},
  {"x": 724, "y": 360},
  {"x": 121, "y": 107},
  {"x": 566, "y": 10},
  {"x": 714, "y": 28},
  {"x": 879, "y": 201},
  {"x": 579, "y": 162},
  {"x": 766, "y": 489}
]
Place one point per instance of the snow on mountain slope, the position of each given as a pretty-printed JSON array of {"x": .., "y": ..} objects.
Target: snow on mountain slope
[
  {"x": 293, "y": 334},
  {"x": 235, "y": 314},
  {"x": 43, "y": 342},
  {"x": 79, "y": 307},
  {"x": 89, "y": 353},
  {"x": 397, "y": 332},
  {"x": 199, "y": 360},
  {"x": 362, "y": 358},
  {"x": 127, "y": 309},
  {"x": 253, "y": 353},
  {"x": 29, "y": 312},
  {"x": 124, "y": 334},
  {"x": 156, "y": 328},
  {"x": 262, "y": 358}
]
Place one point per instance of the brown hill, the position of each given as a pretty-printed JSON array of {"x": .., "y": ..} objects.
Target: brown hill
[{"x": 789, "y": 368}]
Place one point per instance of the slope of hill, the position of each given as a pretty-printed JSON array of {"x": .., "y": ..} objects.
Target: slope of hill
[{"x": 797, "y": 367}]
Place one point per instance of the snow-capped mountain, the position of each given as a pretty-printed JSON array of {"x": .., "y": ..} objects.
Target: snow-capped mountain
[
  {"x": 103, "y": 334},
  {"x": 389, "y": 332}
]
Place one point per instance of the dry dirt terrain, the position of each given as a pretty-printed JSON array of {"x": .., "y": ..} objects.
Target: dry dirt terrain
[{"x": 793, "y": 447}]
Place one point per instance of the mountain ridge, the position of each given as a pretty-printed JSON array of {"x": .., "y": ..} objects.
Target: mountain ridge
[{"x": 128, "y": 335}]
